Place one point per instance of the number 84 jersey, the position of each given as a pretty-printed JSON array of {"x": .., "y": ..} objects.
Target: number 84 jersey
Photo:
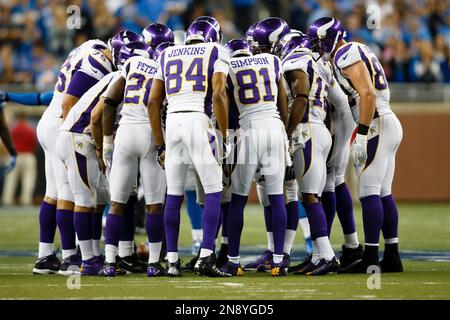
[{"x": 351, "y": 53}]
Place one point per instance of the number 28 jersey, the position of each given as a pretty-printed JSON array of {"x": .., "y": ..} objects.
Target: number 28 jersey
[
  {"x": 351, "y": 53},
  {"x": 252, "y": 83},
  {"x": 187, "y": 72},
  {"x": 138, "y": 73}
]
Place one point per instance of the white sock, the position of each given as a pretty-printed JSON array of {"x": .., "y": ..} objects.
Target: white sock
[
  {"x": 197, "y": 234},
  {"x": 87, "y": 251},
  {"x": 96, "y": 247},
  {"x": 325, "y": 249},
  {"x": 224, "y": 240},
  {"x": 110, "y": 253},
  {"x": 154, "y": 249},
  {"x": 172, "y": 257},
  {"x": 234, "y": 260},
  {"x": 289, "y": 240},
  {"x": 316, "y": 253},
  {"x": 277, "y": 258},
  {"x": 68, "y": 253},
  {"x": 270, "y": 245},
  {"x": 305, "y": 227},
  {"x": 126, "y": 248},
  {"x": 205, "y": 252},
  {"x": 77, "y": 242},
  {"x": 351, "y": 240},
  {"x": 45, "y": 249},
  {"x": 391, "y": 241}
]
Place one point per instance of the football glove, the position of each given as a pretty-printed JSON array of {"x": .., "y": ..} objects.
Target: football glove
[
  {"x": 161, "y": 155},
  {"x": 11, "y": 164},
  {"x": 359, "y": 150},
  {"x": 289, "y": 174},
  {"x": 108, "y": 146}
]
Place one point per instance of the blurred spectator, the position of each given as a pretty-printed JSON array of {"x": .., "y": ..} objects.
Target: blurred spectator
[
  {"x": 427, "y": 68},
  {"x": 24, "y": 137},
  {"x": 130, "y": 18},
  {"x": 244, "y": 12},
  {"x": 104, "y": 24},
  {"x": 229, "y": 29}
]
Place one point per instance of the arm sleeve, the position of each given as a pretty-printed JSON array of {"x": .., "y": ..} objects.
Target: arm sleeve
[
  {"x": 347, "y": 55},
  {"x": 160, "y": 72},
  {"x": 223, "y": 60}
]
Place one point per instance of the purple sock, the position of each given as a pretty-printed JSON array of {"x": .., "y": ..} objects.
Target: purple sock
[
  {"x": 317, "y": 220},
  {"x": 372, "y": 210},
  {"x": 292, "y": 215},
  {"x": 83, "y": 225},
  {"x": 268, "y": 218},
  {"x": 224, "y": 215},
  {"x": 344, "y": 207},
  {"x": 172, "y": 221},
  {"x": 211, "y": 219},
  {"x": 66, "y": 227},
  {"x": 154, "y": 225},
  {"x": 129, "y": 220},
  {"x": 329, "y": 206},
  {"x": 235, "y": 223},
  {"x": 390, "y": 219},
  {"x": 47, "y": 222},
  {"x": 113, "y": 229},
  {"x": 96, "y": 221},
  {"x": 279, "y": 218}
]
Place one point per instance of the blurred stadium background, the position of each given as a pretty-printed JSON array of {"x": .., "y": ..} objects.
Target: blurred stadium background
[{"x": 411, "y": 38}]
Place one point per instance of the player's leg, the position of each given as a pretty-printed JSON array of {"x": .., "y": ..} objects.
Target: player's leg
[
  {"x": 154, "y": 184},
  {"x": 102, "y": 200},
  {"x": 391, "y": 260},
  {"x": 328, "y": 198},
  {"x": 291, "y": 199},
  {"x": 194, "y": 212}
]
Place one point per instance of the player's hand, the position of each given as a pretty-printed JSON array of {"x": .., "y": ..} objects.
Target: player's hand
[
  {"x": 289, "y": 174},
  {"x": 359, "y": 150},
  {"x": 161, "y": 155},
  {"x": 11, "y": 164},
  {"x": 101, "y": 163},
  {"x": 108, "y": 146}
]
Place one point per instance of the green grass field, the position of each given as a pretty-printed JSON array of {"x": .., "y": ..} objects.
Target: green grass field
[{"x": 424, "y": 242}]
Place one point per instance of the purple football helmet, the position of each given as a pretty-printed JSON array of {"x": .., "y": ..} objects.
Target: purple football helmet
[
  {"x": 157, "y": 33},
  {"x": 119, "y": 40},
  {"x": 249, "y": 35},
  {"x": 324, "y": 34},
  {"x": 268, "y": 32},
  {"x": 238, "y": 47},
  {"x": 159, "y": 49},
  {"x": 135, "y": 48},
  {"x": 214, "y": 22},
  {"x": 290, "y": 42},
  {"x": 202, "y": 31}
]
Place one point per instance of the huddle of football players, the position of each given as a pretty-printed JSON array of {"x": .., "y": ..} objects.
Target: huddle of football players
[{"x": 282, "y": 108}]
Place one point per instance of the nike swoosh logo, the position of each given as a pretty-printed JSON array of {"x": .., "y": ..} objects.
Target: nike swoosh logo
[
  {"x": 94, "y": 70},
  {"x": 345, "y": 57}
]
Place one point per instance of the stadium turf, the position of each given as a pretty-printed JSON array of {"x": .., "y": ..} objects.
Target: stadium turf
[{"x": 425, "y": 245}]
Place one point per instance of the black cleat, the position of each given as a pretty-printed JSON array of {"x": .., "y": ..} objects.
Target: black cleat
[
  {"x": 70, "y": 265},
  {"x": 359, "y": 267},
  {"x": 301, "y": 265},
  {"x": 156, "y": 270},
  {"x": 207, "y": 267},
  {"x": 174, "y": 269},
  {"x": 131, "y": 264},
  {"x": 47, "y": 265},
  {"x": 350, "y": 256},
  {"x": 189, "y": 267},
  {"x": 235, "y": 269},
  {"x": 222, "y": 257},
  {"x": 324, "y": 267},
  {"x": 391, "y": 260}
]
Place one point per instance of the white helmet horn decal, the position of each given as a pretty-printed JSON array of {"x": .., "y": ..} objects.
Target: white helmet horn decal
[{"x": 322, "y": 31}]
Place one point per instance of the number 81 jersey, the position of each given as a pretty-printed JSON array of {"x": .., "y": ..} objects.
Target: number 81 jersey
[
  {"x": 138, "y": 73},
  {"x": 351, "y": 53}
]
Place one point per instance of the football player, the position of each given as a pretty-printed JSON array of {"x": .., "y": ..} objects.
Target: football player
[
  {"x": 134, "y": 151},
  {"x": 81, "y": 70},
  {"x": 378, "y": 137},
  {"x": 193, "y": 78},
  {"x": 262, "y": 137}
]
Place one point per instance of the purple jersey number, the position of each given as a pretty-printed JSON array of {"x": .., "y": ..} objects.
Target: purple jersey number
[
  {"x": 140, "y": 79},
  {"x": 194, "y": 73},
  {"x": 245, "y": 86},
  {"x": 380, "y": 82},
  {"x": 61, "y": 86}
]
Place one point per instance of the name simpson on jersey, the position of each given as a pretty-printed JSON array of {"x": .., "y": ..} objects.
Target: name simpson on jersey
[
  {"x": 187, "y": 51},
  {"x": 249, "y": 62}
]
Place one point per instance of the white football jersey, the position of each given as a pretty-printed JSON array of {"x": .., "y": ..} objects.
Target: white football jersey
[
  {"x": 79, "y": 117},
  {"x": 138, "y": 73},
  {"x": 187, "y": 71},
  {"x": 252, "y": 82},
  {"x": 86, "y": 64},
  {"x": 302, "y": 59},
  {"x": 351, "y": 53}
]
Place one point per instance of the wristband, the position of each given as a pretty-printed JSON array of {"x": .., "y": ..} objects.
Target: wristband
[
  {"x": 111, "y": 102},
  {"x": 108, "y": 139},
  {"x": 302, "y": 96},
  {"x": 363, "y": 129}
]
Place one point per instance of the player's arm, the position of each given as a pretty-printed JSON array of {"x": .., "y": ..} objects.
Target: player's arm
[
  {"x": 157, "y": 95},
  {"x": 300, "y": 87},
  {"x": 97, "y": 131},
  {"x": 359, "y": 76},
  {"x": 68, "y": 102},
  {"x": 219, "y": 98},
  {"x": 282, "y": 103}
]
